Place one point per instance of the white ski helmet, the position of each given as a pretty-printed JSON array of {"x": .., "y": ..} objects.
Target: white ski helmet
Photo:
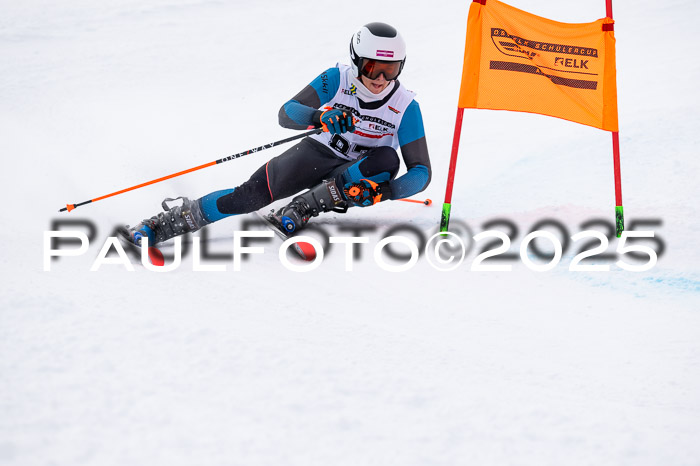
[{"x": 380, "y": 42}]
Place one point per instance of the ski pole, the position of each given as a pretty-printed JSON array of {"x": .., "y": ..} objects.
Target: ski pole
[
  {"x": 70, "y": 207},
  {"x": 426, "y": 202}
]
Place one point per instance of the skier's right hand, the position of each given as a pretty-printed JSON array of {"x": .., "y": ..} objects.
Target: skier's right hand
[{"x": 337, "y": 122}]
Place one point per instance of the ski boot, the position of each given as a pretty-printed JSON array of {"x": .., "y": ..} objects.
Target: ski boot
[
  {"x": 174, "y": 221},
  {"x": 326, "y": 197}
]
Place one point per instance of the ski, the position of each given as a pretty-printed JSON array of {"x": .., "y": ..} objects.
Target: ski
[
  {"x": 155, "y": 256},
  {"x": 304, "y": 250}
]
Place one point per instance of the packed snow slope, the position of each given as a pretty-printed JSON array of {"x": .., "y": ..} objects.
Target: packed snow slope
[{"x": 266, "y": 366}]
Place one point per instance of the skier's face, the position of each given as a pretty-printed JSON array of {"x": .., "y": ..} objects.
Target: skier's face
[{"x": 375, "y": 86}]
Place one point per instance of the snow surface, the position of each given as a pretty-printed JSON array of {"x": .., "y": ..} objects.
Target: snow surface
[{"x": 266, "y": 366}]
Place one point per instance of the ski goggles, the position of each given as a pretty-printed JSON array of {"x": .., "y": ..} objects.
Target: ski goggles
[{"x": 372, "y": 68}]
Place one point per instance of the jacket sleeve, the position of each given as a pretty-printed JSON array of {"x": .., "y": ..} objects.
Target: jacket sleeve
[
  {"x": 302, "y": 110},
  {"x": 414, "y": 150}
]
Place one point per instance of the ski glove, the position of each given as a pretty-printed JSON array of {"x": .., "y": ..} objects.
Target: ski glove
[
  {"x": 337, "y": 122},
  {"x": 366, "y": 192}
]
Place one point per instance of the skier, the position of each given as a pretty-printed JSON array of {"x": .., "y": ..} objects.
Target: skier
[{"x": 366, "y": 115}]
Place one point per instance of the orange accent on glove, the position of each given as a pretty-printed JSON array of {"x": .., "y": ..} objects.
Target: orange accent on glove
[
  {"x": 376, "y": 198},
  {"x": 323, "y": 125}
]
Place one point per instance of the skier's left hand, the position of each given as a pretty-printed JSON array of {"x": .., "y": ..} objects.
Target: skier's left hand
[{"x": 365, "y": 193}]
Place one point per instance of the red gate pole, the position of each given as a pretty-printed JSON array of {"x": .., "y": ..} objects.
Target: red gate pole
[
  {"x": 447, "y": 205},
  {"x": 619, "y": 215}
]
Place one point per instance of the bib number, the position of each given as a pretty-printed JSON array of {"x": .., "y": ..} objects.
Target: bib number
[{"x": 342, "y": 145}]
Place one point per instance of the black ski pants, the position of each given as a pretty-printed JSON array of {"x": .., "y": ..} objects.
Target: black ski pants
[{"x": 301, "y": 167}]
